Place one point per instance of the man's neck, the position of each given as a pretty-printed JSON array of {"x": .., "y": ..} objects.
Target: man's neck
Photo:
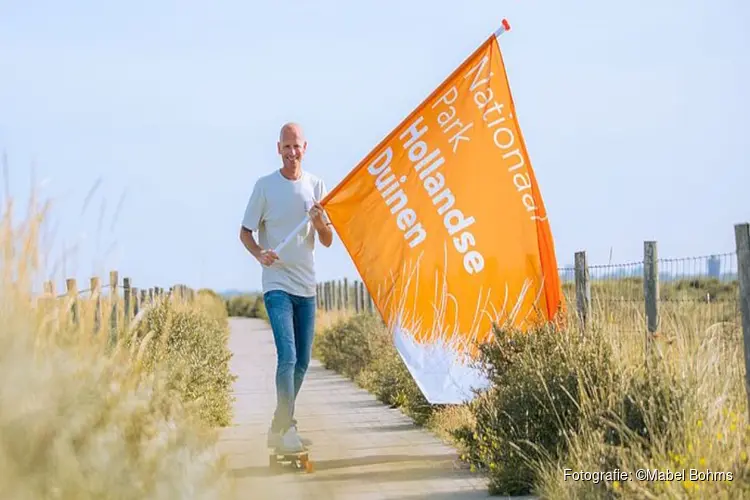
[{"x": 292, "y": 174}]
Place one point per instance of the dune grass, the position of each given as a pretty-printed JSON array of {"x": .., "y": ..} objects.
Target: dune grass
[
  {"x": 88, "y": 412},
  {"x": 603, "y": 399}
]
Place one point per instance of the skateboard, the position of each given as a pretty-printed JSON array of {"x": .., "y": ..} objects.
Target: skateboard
[{"x": 299, "y": 460}]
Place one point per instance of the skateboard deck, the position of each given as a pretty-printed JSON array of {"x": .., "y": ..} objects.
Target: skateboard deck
[{"x": 299, "y": 460}]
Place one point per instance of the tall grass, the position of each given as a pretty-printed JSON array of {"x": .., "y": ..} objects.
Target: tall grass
[
  {"x": 676, "y": 404},
  {"x": 600, "y": 399},
  {"x": 85, "y": 412}
]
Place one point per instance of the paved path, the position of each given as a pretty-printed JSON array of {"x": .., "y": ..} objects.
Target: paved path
[{"x": 361, "y": 448}]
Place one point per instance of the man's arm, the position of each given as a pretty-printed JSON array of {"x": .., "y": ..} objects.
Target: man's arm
[
  {"x": 265, "y": 257},
  {"x": 325, "y": 234},
  {"x": 247, "y": 239}
]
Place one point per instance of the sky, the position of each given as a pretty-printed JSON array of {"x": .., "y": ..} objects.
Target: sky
[{"x": 635, "y": 114}]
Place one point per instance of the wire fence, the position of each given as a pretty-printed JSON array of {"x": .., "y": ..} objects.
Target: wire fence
[
  {"x": 693, "y": 292},
  {"x": 687, "y": 291}
]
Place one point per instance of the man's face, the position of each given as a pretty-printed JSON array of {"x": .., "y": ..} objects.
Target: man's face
[{"x": 292, "y": 147}]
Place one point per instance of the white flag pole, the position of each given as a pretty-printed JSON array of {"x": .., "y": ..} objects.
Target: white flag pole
[
  {"x": 291, "y": 235},
  {"x": 504, "y": 26}
]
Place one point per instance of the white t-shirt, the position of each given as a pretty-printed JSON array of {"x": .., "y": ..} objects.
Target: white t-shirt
[{"x": 275, "y": 208}]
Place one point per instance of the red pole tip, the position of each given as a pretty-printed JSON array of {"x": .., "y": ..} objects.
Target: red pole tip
[{"x": 506, "y": 25}]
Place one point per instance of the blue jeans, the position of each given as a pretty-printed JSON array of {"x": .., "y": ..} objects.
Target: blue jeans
[{"x": 292, "y": 320}]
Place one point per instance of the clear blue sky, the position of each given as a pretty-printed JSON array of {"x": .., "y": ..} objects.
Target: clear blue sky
[{"x": 636, "y": 115}]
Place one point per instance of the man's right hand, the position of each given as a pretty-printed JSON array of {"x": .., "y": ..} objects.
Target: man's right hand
[{"x": 267, "y": 257}]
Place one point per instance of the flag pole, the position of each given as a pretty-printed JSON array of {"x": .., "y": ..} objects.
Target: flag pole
[
  {"x": 291, "y": 235},
  {"x": 504, "y": 27}
]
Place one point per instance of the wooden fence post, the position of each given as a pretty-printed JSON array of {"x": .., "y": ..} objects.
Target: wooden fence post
[
  {"x": 72, "y": 289},
  {"x": 742, "y": 238},
  {"x": 583, "y": 288},
  {"x": 126, "y": 300},
  {"x": 136, "y": 302},
  {"x": 113, "y": 299},
  {"x": 346, "y": 294},
  {"x": 96, "y": 295},
  {"x": 651, "y": 285}
]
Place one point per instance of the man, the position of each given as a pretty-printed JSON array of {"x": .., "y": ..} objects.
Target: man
[{"x": 279, "y": 202}]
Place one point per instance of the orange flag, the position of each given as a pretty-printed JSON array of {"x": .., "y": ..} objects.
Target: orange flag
[{"x": 446, "y": 225}]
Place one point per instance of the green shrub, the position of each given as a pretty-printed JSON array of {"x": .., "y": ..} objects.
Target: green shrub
[
  {"x": 562, "y": 400},
  {"x": 239, "y": 306},
  {"x": 361, "y": 348},
  {"x": 700, "y": 290},
  {"x": 645, "y": 425},
  {"x": 259, "y": 308},
  {"x": 78, "y": 424},
  {"x": 192, "y": 343},
  {"x": 347, "y": 346},
  {"x": 387, "y": 377},
  {"x": 538, "y": 381},
  {"x": 246, "y": 306}
]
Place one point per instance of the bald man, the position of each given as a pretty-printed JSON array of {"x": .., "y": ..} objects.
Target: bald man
[{"x": 278, "y": 203}]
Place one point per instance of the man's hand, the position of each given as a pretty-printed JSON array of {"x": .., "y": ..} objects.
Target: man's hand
[
  {"x": 319, "y": 223},
  {"x": 267, "y": 257},
  {"x": 316, "y": 216}
]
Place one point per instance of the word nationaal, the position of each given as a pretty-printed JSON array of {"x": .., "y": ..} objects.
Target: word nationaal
[
  {"x": 504, "y": 137},
  {"x": 427, "y": 165}
]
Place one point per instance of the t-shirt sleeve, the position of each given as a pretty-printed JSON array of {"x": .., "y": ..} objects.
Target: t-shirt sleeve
[{"x": 254, "y": 209}]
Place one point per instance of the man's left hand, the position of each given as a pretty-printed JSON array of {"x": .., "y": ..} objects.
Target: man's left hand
[{"x": 316, "y": 216}]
